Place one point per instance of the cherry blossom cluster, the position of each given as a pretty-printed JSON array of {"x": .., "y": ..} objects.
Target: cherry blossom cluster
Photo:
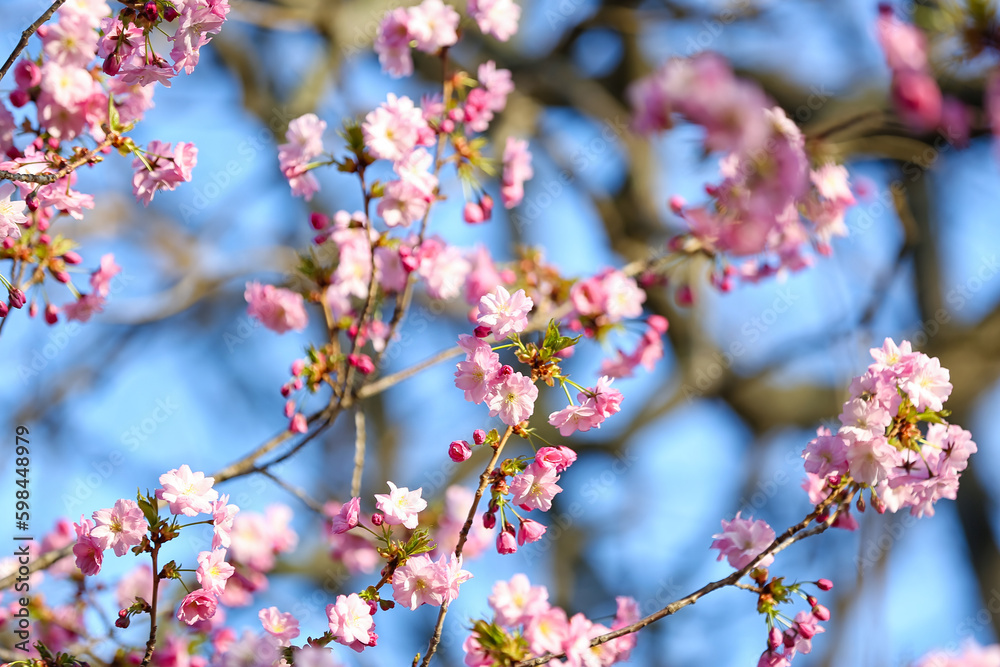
[
  {"x": 526, "y": 625},
  {"x": 893, "y": 439},
  {"x": 771, "y": 203},
  {"x": 70, "y": 101},
  {"x": 971, "y": 655}
]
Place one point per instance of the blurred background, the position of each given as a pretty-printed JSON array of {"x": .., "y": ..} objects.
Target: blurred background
[{"x": 175, "y": 372}]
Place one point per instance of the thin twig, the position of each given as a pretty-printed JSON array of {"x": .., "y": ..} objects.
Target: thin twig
[
  {"x": 294, "y": 490},
  {"x": 46, "y": 179},
  {"x": 26, "y": 35},
  {"x": 484, "y": 480},
  {"x": 151, "y": 642},
  {"x": 793, "y": 534},
  {"x": 359, "y": 451}
]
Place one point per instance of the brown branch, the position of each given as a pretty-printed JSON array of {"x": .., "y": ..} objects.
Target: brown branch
[
  {"x": 484, "y": 480},
  {"x": 45, "y": 179},
  {"x": 793, "y": 534},
  {"x": 26, "y": 35},
  {"x": 359, "y": 452}
]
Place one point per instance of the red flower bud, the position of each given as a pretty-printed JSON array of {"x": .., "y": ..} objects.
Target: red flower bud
[
  {"x": 459, "y": 451},
  {"x": 824, "y": 584},
  {"x": 17, "y": 298},
  {"x": 479, "y": 436},
  {"x": 19, "y": 98},
  {"x": 481, "y": 331},
  {"x": 489, "y": 520},
  {"x": 51, "y": 314},
  {"x": 377, "y": 518}
]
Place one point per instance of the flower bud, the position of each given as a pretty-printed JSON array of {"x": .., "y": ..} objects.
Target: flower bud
[
  {"x": 459, "y": 451},
  {"x": 486, "y": 203},
  {"x": 473, "y": 213},
  {"x": 17, "y": 298},
  {"x": 298, "y": 424},
  {"x": 530, "y": 531},
  {"x": 506, "y": 544},
  {"x": 774, "y": 638},
  {"x": 61, "y": 276},
  {"x": 377, "y": 519},
  {"x": 51, "y": 314},
  {"x": 7, "y": 243},
  {"x": 151, "y": 11},
  {"x": 3, "y": 309},
  {"x": 684, "y": 296},
  {"x": 481, "y": 331},
  {"x": 32, "y": 201},
  {"x": 297, "y": 366},
  {"x": 677, "y": 204},
  {"x": 72, "y": 258},
  {"x": 505, "y": 372},
  {"x": 318, "y": 221},
  {"x": 821, "y": 612},
  {"x": 122, "y": 621},
  {"x": 169, "y": 13},
  {"x": 824, "y": 584},
  {"x": 807, "y": 630},
  {"x": 18, "y": 98},
  {"x": 479, "y": 436},
  {"x": 489, "y": 520},
  {"x": 112, "y": 64},
  {"x": 33, "y": 309},
  {"x": 44, "y": 239},
  {"x": 362, "y": 362}
]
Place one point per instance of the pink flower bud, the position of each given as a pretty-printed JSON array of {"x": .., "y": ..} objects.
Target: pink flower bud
[
  {"x": 44, "y": 224},
  {"x": 61, "y": 276},
  {"x": 373, "y": 607},
  {"x": 658, "y": 323},
  {"x": 505, "y": 372},
  {"x": 684, "y": 296},
  {"x": 788, "y": 639},
  {"x": 530, "y": 531},
  {"x": 72, "y": 258},
  {"x": 821, "y": 613},
  {"x": 286, "y": 389},
  {"x": 297, "y": 384},
  {"x": 486, "y": 202},
  {"x": 481, "y": 331},
  {"x": 297, "y": 366},
  {"x": 112, "y": 64},
  {"x": 811, "y": 600},
  {"x": 19, "y": 98},
  {"x": 824, "y": 584},
  {"x": 489, "y": 520},
  {"x": 169, "y": 13},
  {"x": 51, "y": 314},
  {"x": 8, "y": 243},
  {"x": 479, "y": 436},
  {"x": 807, "y": 630},
  {"x": 32, "y": 201},
  {"x": 122, "y": 622},
  {"x": 17, "y": 298},
  {"x": 27, "y": 74},
  {"x": 774, "y": 638},
  {"x": 362, "y": 362},
  {"x": 506, "y": 543},
  {"x": 44, "y": 239},
  {"x": 298, "y": 424},
  {"x": 318, "y": 221},
  {"x": 677, "y": 204},
  {"x": 3, "y": 309},
  {"x": 151, "y": 11},
  {"x": 473, "y": 213},
  {"x": 33, "y": 309},
  {"x": 459, "y": 451},
  {"x": 289, "y": 409},
  {"x": 377, "y": 519}
]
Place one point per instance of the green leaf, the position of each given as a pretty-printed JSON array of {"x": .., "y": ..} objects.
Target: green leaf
[{"x": 150, "y": 510}]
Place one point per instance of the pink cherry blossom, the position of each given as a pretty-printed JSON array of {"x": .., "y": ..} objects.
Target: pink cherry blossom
[
  {"x": 529, "y": 531},
  {"x": 516, "y": 170},
  {"x": 350, "y": 621},
  {"x": 83, "y": 308},
  {"x": 826, "y": 454},
  {"x": 534, "y": 488},
  {"x": 100, "y": 280},
  {"x": 223, "y": 515},
  {"x": 282, "y": 626},
  {"x": 513, "y": 399},
  {"x": 392, "y": 43},
  {"x": 743, "y": 539},
  {"x": 304, "y": 143},
  {"x": 189, "y": 493},
  {"x": 496, "y": 17},
  {"x": 627, "y": 613},
  {"x": 278, "y": 309},
  {"x": 162, "y": 167},
  {"x": 517, "y": 601},
  {"x": 477, "y": 374},
  {"x": 559, "y": 458},
  {"x": 11, "y": 213},
  {"x": 213, "y": 571},
  {"x": 347, "y": 517},
  {"x": 199, "y": 605},
  {"x": 394, "y": 130},
  {"x": 433, "y": 24},
  {"x": 574, "y": 418},
  {"x": 87, "y": 550},
  {"x": 547, "y": 631},
  {"x": 119, "y": 527},
  {"x": 927, "y": 384},
  {"x": 400, "y": 506},
  {"x": 423, "y": 581},
  {"x": 503, "y": 312}
]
